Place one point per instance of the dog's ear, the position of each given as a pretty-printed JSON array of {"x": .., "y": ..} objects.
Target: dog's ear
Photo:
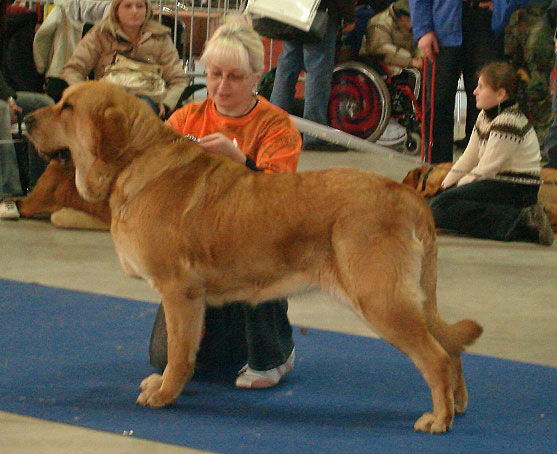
[
  {"x": 114, "y": 133},
  {"x": 412, "y": 178}
]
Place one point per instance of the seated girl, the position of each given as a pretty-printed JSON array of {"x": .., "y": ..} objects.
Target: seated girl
[{"x": 483, "y": 195}]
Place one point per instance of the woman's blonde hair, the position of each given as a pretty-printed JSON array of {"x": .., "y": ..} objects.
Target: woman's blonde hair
[{"x": 235, "y": 42}]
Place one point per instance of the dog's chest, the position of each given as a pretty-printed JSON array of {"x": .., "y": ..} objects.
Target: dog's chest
[{"x": 130, "y": 257}]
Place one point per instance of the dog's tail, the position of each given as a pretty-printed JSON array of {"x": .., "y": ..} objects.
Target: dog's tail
[{"x": 455, "y": 337}]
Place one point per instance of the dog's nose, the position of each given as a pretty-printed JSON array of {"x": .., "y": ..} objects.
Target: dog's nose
[{"x": 29, "y": 122}]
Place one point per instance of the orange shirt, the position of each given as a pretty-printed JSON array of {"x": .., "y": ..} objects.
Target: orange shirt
[{"x": 266, "y": 134}]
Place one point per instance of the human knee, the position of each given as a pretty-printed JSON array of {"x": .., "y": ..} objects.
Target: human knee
[{"x": 439, "y": 205}]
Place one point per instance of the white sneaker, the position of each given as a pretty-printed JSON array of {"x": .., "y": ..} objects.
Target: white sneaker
[
  {"x": 249, "y": 378},
  {"x": 8, "y": 210},
  {"x": 394, "y": 134}
]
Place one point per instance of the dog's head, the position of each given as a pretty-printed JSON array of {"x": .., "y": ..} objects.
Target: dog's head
[
  {"x": 427, "y": 180},
  {"x": 94, "y": 121}
]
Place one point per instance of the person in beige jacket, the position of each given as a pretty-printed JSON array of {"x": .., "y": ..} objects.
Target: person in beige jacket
[
  {"x": 129, "y": 30},
  {"x": 389, "y": 36}
]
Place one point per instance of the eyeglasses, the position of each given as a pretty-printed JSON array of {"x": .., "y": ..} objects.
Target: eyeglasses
[{"x": 233, "y": 77}]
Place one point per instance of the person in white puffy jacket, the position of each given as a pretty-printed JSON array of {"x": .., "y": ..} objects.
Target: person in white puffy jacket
[{"x": 58, "y": 35}]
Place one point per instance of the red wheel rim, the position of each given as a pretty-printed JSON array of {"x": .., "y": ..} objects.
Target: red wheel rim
[{"x": 355, "y": 104}]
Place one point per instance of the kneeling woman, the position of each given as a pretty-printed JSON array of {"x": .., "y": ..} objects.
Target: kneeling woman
[
  {"x": 235, "y": 122},
  {"x": 503, "y": 144}
]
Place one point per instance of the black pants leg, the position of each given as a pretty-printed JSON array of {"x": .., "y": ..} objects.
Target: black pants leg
[
  {"x": 485, "y": 209},
  {"x": 234, "y": 334},
  {"x": 268, "y": 334},
  {"x": 479, "y": 47},
  {"x": 448, "y": 68}
]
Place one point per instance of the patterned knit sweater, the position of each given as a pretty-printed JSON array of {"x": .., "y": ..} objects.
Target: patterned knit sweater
[{"x": 500, "y": 143}]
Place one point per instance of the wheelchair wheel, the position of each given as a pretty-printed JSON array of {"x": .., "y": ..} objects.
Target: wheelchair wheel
[{"x": 360, "y": 103}]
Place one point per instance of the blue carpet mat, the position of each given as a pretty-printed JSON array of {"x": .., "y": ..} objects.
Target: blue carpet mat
[{"x": 78, "y": 358}]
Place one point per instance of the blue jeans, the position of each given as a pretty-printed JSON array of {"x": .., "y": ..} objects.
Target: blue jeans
[
  {"x": 10, "y": 183},
  {"x": 318, "y": 60}
]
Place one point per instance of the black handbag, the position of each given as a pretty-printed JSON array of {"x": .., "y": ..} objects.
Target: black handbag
[{"x": 275, "y": 29}]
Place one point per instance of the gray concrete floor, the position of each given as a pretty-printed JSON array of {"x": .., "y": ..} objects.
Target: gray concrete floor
[{"x": 508, "y": 287}]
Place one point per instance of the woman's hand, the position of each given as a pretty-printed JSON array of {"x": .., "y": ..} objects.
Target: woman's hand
[
  {"x": 14, "y": 110},
  {"x": 220, "y": 144}
]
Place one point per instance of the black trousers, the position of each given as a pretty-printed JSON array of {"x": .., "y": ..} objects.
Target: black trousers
[
  {"x": 234, "y": 334},
  {"x": 486, "y": 209},
  {"x": 479, "y": 47}
]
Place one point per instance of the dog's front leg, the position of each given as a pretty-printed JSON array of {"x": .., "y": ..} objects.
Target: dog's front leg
[{"x": 184, "y": 321}]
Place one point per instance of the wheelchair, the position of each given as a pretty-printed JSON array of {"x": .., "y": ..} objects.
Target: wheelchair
[{"x": 364, "y": 97}]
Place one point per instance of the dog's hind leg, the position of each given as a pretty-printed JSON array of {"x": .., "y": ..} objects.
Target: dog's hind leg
[
  {"x": 460, "y": 392},
  {"x": 400, "y": 322},
  {"x": 452, "y": 337},
  {"x": 382, "y": 282},
  {"x": 184, "y": 322}
]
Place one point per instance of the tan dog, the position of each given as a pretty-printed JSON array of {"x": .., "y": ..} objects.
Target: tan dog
[
  {"x": 55, "y": 192},
  {"x": 204, "y": 230},
  {"x": 427, "y": 181}
]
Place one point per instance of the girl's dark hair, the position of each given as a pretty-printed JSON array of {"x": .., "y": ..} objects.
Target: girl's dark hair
[{"x": 501, "y": 74}]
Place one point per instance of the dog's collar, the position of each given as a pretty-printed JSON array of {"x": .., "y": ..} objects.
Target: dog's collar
[
  {"x": 189, "y": 137},
  {"x": 426, "y": 176}
]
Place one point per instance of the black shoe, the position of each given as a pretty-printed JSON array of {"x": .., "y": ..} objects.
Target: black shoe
[
  {"x": 536, "y": 219},
  {"x": 324, "y": 146}
]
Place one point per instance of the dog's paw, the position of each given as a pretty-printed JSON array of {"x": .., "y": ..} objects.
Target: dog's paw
[
  {"x": 460, "y": 406},
  {"x": 155, "y": 398},
  {"x": 153, "y": 381},
  {"x": 151, "y": 393},
  {"x": 428, "y": 422}
]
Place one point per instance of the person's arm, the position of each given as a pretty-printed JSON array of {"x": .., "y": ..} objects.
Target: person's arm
[
  {"x": 497, "y": 152},
  {"x": 44, "y": 39},
  {"x": 275, "y": 148},
  {"x": 379, "y": 41},
  {"x": 93, "y": 11},
  {"x": 83, "y": 60},
  {"x": 421, "y": 14},
  {"x": 279, "y": 149},
  {"x": 465, "y": 164},
  {"x": 215, "y": 143},
  {"x": 172, "y": 72}
]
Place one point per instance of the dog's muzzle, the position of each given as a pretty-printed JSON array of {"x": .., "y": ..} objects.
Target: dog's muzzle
[{"x": 63, "y": 155}]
